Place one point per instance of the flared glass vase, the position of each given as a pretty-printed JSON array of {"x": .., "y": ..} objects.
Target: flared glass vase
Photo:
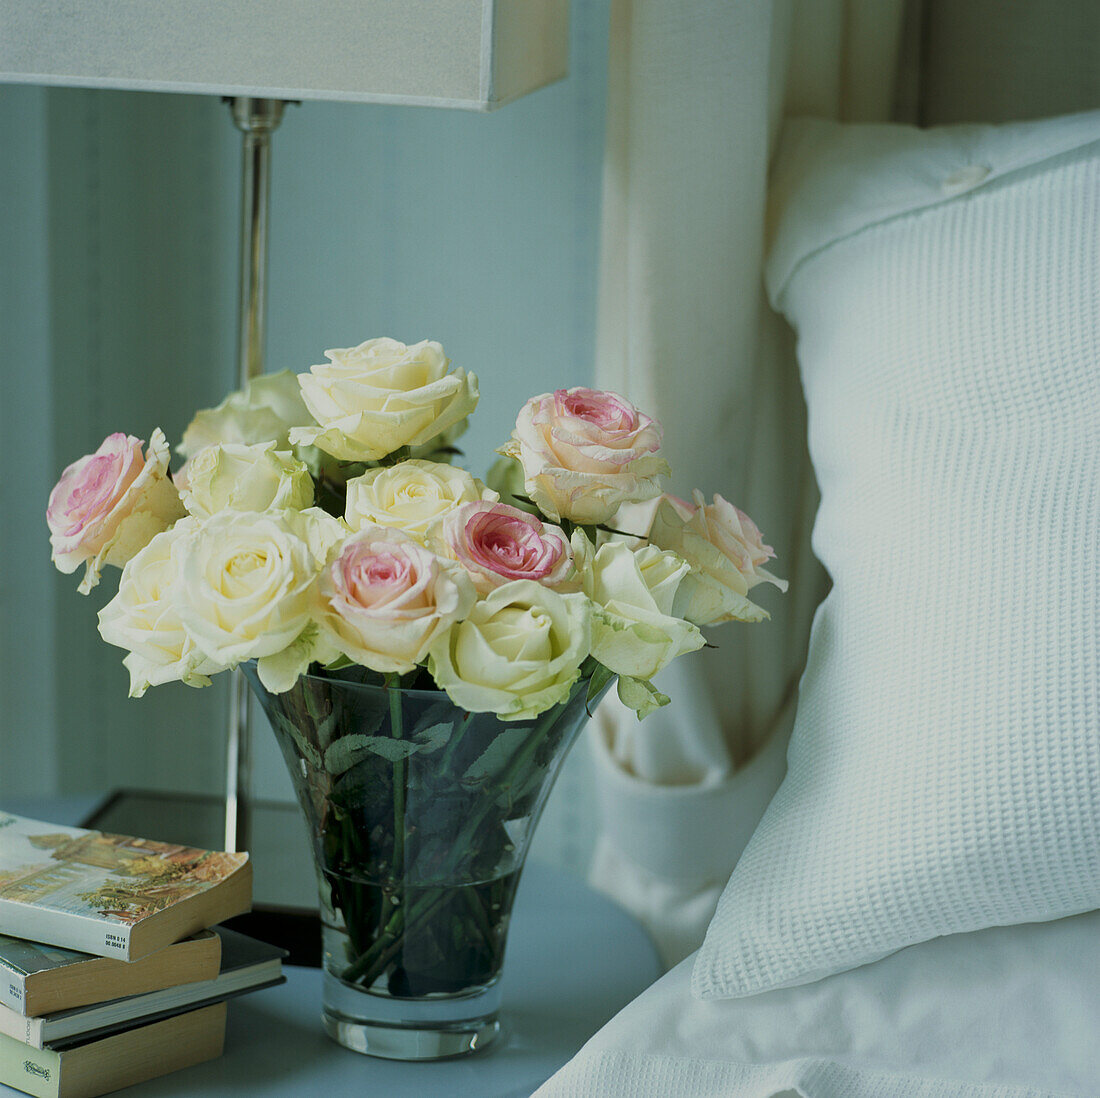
[{"x": 420, "y": 817}]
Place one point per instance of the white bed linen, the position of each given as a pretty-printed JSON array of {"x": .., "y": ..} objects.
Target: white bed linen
[
  {"x": 1008, "y": 1012},
  {"x": 944, "y": 769}
]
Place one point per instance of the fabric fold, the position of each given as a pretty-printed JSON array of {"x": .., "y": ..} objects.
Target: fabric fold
[
  {"x": 831, "y": 180},
  {"x": 666, "y": 850},
  {"x": 1008, "y": 1012}
]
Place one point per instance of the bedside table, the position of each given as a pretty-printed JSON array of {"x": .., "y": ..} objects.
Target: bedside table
[{"x": 574, "y": 960}]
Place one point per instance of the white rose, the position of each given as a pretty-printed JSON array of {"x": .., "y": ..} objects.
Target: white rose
[
  {"x": 142, "y": 618},
  {"x": 373, "y": 399},
  {"x": 586, "y": 452},
  {"x": 263, "y": 411},
  {"x": 319, "y": 530},
  {"x": 235, "y": 477},
  {"x": 518, "y": 652},
  {"x": 411, "y": 496},
  {"x": 385, "y": 599},
  {"x": 634, "y": 629},
  {"x": 246, "y": 580},
  {"x": 726, "y": 553}
]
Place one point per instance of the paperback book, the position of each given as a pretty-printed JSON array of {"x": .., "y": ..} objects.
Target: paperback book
[
  {"x": 88, "y": 1068},
  {"x": 38, "y": 979},
  {"x": 246, "y": 965},
  {"x": 112, "y": 895}
]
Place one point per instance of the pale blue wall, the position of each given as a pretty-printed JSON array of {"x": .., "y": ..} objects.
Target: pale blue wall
[{"x": 118, "y": 228}]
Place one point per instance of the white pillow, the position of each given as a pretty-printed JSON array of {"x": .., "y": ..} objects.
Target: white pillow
[
  {"x": 1008, "y": 1012},
  {"x": 944, "y": 770}
]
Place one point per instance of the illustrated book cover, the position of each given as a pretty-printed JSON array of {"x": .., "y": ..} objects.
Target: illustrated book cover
[{"x": 112, "y": 895}]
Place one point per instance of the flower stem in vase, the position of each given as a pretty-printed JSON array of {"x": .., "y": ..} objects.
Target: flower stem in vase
[
  {"x": 520, "y": 760},
  {"x": 397, "y": 732},
  {"x": 453, "y": 744},
  {"x": 391, "y": 916},
  {"x": 372, "y": 962}
]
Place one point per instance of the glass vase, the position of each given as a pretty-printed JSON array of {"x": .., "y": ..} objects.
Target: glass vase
[{"x": 420, "y": 817}]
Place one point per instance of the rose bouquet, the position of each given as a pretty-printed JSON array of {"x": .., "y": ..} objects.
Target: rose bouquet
[{"x": 319, "y": 533}]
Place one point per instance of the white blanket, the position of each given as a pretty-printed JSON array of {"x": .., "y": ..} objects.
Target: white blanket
[{"x": 1010, "y": 1012}]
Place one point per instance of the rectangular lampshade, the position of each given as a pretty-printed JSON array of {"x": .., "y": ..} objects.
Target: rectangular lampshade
[{"x": 474, "y": 54}]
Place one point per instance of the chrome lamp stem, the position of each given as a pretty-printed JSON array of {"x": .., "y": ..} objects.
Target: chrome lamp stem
[{"x": 257, "y": 119}]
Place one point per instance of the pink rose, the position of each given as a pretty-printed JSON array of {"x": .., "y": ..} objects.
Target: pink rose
[
  {"x": 109, "y": 505},
  {"x": 496, "y": 543},
  {"x": 729, "y": 528},
  {"x": 726, "y": 552},
  {"x": 386, "y": 598},
  {"x": 585, "y": 453}
]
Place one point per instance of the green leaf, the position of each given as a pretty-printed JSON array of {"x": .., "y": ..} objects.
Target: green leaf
[
  {"x": 326, "y": 731},
  {"x": 347, "y": 751},
  {"x": 520, "y": 787},
  {"x": 365, "y": 711},
  {"x": 305, "y": 748},
  {"x": 601, "y": 676},
  {"x": 396, "y": 457},
  {"x": 442, "y": 712},
  {"x": 640, "y": 695},
  {"x": 497, "y": 755},
  {"x": 433, "y": 737}
]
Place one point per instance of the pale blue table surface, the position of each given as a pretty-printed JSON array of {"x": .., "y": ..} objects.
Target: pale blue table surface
[{"x": 574, "y": 960}]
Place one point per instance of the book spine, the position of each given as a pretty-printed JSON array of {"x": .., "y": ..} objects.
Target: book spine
[
  {"x": 27, "y": 1030},
  {"x": 80, "y": 932},
  {"x": 13, "y": 989},
  {"x": 33, "y": 1070}
]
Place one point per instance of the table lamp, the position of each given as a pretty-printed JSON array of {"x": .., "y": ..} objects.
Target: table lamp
[{"x": 468, "y": 54}]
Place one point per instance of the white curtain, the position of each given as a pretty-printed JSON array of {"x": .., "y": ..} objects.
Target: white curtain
[{"x": 696, "y": 95}]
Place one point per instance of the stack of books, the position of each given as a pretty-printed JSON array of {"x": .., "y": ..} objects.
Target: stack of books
[{"x": 109, "y": 973}]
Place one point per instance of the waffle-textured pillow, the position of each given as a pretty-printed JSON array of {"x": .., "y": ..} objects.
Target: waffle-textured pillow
[{"x": 944, "y": 770}]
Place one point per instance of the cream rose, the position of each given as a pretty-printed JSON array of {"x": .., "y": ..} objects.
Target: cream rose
[
  {"x": 585, "y": 453},
  {"x": 726, "y": 552},
  {"x": 246, "y": 579},
  {"x": 411, "y": 496},
  {"x": 518, "y": 652},
  {"x": 109, "y": 505},
  {"x": 385, "y": 599},
  {"x": 235, "y": 477},
  {"x": 496, "y": 543},
  {"x": 634, "y": 629},
  {"x": 263, "y": 411},
  {"x": 142, "y": 618},
  {"x": 373, "y": 399}
]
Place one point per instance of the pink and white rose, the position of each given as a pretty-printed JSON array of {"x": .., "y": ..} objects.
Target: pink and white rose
[
  {"x": 497, "y": 543},
  {"x": 109, "y": 505},
  {"x": 585, "y": 453},
  {"x": 385, "y": 599},
  {"x": 726, "y": 552}
]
